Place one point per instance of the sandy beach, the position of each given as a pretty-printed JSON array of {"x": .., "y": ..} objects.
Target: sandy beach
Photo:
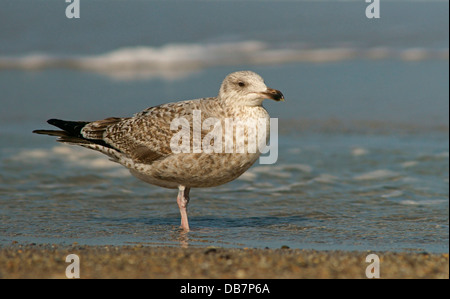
[{"x": 49, "y": 261}]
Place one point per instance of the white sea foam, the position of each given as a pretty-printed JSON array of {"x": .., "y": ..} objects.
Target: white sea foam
[
  {"x": 248, "y": 176},
  {"x": 395, "y": 193},
  {"x": 282, "y": 170},
  {"x": 359, "y": 151},
  {"x": 409, "y": 164},
  {"x": 423, "y": 202},
  {"x": 376, "y": 175},
  {"x": 69, "y": 154},
  {"x": 326, "y": 178},
  {"x": 443, "y": 155},
  {"x": 83, "y": 157},
  {"x": 30, "y": 155},
  {"x": 174, "y": 61}
]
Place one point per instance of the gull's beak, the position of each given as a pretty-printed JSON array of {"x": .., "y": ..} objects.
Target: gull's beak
[{"x": 274, "y": 94}]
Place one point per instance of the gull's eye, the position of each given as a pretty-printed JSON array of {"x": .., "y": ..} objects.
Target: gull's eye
[{"x": 241, "y": 84}]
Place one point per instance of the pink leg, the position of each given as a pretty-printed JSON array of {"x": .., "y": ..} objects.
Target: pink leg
[{"x": 183, "y": 200}]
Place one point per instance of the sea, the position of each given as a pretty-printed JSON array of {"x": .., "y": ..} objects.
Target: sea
[{"x": 363, "y": 136}]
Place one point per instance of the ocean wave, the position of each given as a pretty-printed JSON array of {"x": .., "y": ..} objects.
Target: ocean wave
[
  {"x": 175, "y": 61},
  {"x": 380, "y": 174},
  {"x": 424, "y": 202},
  {"x": 74, "y": 155}
]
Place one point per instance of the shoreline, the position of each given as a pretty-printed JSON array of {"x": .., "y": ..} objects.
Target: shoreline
[{"x": 49, "y": 261}]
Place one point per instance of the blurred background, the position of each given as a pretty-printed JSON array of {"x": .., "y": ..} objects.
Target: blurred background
[{"x": 363, "y": 159}]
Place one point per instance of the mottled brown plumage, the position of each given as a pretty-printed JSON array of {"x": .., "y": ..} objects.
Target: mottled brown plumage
[{"x": 142, "y": 143}]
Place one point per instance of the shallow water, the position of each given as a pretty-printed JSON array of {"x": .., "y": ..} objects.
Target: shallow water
[
  {"x": 363, "y": 158},
  {"x": 327, "y": 191}
]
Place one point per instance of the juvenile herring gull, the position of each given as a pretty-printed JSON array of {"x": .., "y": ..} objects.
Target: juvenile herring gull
[{"x": 142, "y": 143}]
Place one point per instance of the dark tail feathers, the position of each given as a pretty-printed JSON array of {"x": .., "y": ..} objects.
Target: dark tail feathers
[
  {"x": 71, "y": 131},
  {"x": 72, "y": 127}
]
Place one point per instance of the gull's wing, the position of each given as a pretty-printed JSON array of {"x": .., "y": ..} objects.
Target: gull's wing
[{"x": 146, "y": 136}]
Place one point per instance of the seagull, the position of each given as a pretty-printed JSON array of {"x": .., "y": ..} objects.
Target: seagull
[{"x": 144, "y": 142}]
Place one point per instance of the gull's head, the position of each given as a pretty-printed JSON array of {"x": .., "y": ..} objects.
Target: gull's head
[{"x": 247, "y": 88}]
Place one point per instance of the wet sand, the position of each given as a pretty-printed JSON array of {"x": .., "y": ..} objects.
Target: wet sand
[{"x": 48, "y": 261}]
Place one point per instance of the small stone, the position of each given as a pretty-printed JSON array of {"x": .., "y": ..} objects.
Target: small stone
[{"x": 210, "y": 250}]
